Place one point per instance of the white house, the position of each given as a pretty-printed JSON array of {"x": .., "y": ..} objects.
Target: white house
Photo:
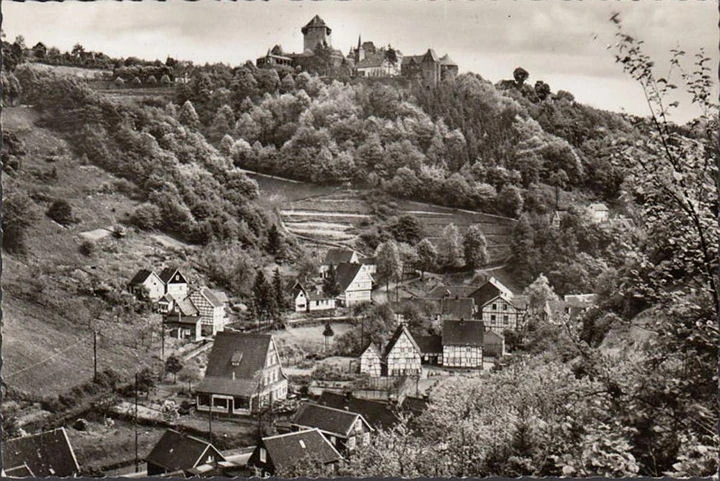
[
  {"x": 355, "y": 284},
  {"x": 402, "y": 354},
  {"x": 307, "y": 300},
  {"x": 599, "y": 212},
  {"x": 212, "y": 311},
  {"x": 370, "y": 362},
  {"x": 175, "y": 283},
  {"x": 463, "y": 343},
  {"x": 147, "y": 283}
]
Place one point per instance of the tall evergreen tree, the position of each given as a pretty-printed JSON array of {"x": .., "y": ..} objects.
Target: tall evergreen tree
[{"x": 278, "y": 290}]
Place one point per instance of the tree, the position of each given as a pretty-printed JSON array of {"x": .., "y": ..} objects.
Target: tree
[
  {"x": 17, "y": 215},
  {"x": 173, "y": 366},
  {"x": 274, "y": 240},
  {"x": 450, "y": 248},
  {"x": 331, "y": 286},
  {"x": 475, "y": 247},
  {"x": 520, "y": 75},
  {"x": 278, "y": 291},
  {"x": 327, "y": 333},
  {"x": 61, "y": 212},
  {"x": 539, "y": 293},
  {"x": 427, "y": 256},
  {"x": 261, "y": 294},
  {"x": 188, "y": 116},
  {"x": 388, "y": 263},
  {"x": 407, "y": 229}
]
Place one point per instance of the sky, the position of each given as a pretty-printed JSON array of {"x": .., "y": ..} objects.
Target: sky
[{"x": 562, "y": 42}]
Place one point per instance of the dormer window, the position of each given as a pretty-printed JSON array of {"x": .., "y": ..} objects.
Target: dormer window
[{"x": 236, "y": 359}]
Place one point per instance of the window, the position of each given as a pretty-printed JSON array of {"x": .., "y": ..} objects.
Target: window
[
  {"x": 351, "y": 442},
  {"x": 366, "y": 439},
  {"x": 494, "y": 307},
  {"x": 263, "y": 455},
  {"x": 504, "y": 307},
  {"x": 506, "y": 320},
  {"x": 492, "y": 318}
]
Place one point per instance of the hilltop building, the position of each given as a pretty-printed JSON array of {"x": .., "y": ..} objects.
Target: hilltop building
[{"x": 365, "y": 60}]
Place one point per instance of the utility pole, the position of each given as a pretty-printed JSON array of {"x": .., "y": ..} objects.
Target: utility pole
[
  {"x": 137, "y": 465},
  {"x": 162, "y": 339},
  {"x": 210, "y": 419},
  {"x": 95, "y": 355}
]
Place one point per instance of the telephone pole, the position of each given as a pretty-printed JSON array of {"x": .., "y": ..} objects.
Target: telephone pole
[
  {"x": 95, "y": 355},
  {"x": 137, "y": 464}
]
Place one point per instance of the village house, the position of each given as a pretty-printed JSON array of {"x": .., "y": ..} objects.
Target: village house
[
  {"x": 370, "y": 362},
  {"x": 243, "y": 374},
  {"x": 598, "y": 212},
  {"x": 147, "y": 284},
  {"x": 498, "y": 307},
  {"x": 557, "y": 218},
  {"x": 379, "y": 414},
  {"x": 402, "y": 354},
  {"x": 311, "y": 300},
  {"x": 355, "y": 284},
  {"x": 450, "y": 292},
  {"x": 428, "y": 68},
  {"x": 345, "y": 430},
  {"x": 40, "y": 455},
  {"x": 493, "y": 344},
  {"x": 369, "y": 263},
  {"x": 212, "y": 311},
  {"x": 183, "y": 320},
  {"x": 431, "y": 348},
  {"x": 179, "y": 453},
  {"x": 274, "y": 454},
  {"x": 463, "y": 344},
  {"x": 175, "y": 283},
  {"x": 336, "y": 256}
]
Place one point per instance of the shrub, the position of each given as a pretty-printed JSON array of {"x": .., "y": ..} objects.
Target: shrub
[
  {"x": 87, "y": 248},
  {"x": 61, "y": 212},
  {"x": 136, "y": 81},
  {"x": 165, "y": 80},
  {"x": 146, "y": 216},
  {"x": 119, "y": 82}
]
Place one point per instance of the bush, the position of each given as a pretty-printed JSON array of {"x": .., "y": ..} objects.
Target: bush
[
  {"x": 146, "y": 216},
  {"x": 87, "y": 248},
  {"x": 61, "y": 212}
]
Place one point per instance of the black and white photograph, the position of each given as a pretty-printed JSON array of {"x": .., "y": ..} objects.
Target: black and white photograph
[{"x": 362, "y": 238}]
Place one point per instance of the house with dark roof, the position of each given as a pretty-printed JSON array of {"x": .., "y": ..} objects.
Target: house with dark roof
[
  {"x": 336, "y": 256},
  {"x": 40, "y": 455},
  {"x": 431, "y": 348},
  {"x": 493, "y": 344},
  {"x": 450, "y": 292},
  {"x": 355, "y": 284},
  {"x": 243, "y": 374},
  {"x": 463, "y": 343},
  {"x": 309, "y": 299},
  {"x": 176, "y": 452},
  {"x": 428, "y": 68},
  {"x": 456, "y": 308},
  {"x": 370, "y": 361},
  {"x": 402, "y": 354},
  {"x": 280, "y": 455},
  {"x": 498, "y": 306},
  {"x": 379, "y": 414},
  {"x": 182, "y": 320},
  {"x": 147, "y": 284},
  {"x": 175, "y": 282},
  {"x": 212, "y": 311},
  {"x": 346, "y": 430}
]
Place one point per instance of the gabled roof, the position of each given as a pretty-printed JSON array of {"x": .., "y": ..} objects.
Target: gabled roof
[
  {"x": 457, "y": 308},
  {"x": 450, "y": 291},
  {"x": 175, "y": 451},
  {"x": 492, "y": 337},
  {"x": 43, "y": 454},
  {"x": 223, "y": 376},
  {"x": 412, "y": 59},
  {"x": 316, "y": 22},
  {"x": 210, "y": 297},
  {"x": 141, "y": 276},
  {"x": 377, "y": 413},
  {"x": 345, "y": 274},
  {"x": 373, "y": 60},
  {"x": 287, "y": 449},
  {"x": 402, "y": 328},
  {"x": 368, "y": 260},
  {"x": 485, "y": 293},
  {"x": 431, "y": 55},
  {"x": 429, "y": 344},
  {"x": 415, "y": 405},
  {"x": 327, "y": 419},
  {"x": 371, "y": 348},
  {"x": 337, "y": 256},
  {"x": 311, "y": 294},
  {"x": 221, "y": 296},
  {"x": 186, "y": 307},
  {"x": 168, "y": 273},
  {"x": 463, "y": 333},
  {"x": 446, "y": 60}
]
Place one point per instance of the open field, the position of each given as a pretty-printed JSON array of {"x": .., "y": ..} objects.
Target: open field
[{"x": 80, "y": 72}]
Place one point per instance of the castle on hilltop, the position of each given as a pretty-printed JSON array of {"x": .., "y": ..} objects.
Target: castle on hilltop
[{"x": 364, "y": 60}]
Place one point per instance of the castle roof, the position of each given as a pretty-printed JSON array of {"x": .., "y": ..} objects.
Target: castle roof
[
  {"x": 316, "y": 22},
  {"x": 446, "y": 60}
]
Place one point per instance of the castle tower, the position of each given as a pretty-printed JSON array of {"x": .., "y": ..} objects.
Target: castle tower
[{"x": 315, "y": 33}]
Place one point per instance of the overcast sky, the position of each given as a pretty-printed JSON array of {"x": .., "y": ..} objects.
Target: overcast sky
[{"x": 562, "y": 42}]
